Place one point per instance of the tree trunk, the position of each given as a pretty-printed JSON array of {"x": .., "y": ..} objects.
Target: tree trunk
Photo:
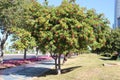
[
  {"x": 2, "y": 43},
  {"x": 59, "y": 64},
  {"x": 25, "y": 53},
  {"x": 65, "y": 58},
  {"x": 57, "y": 59},
  {"x": 1, "y": 50},
  {"x": 56, "y": 63},
  {"x": 37, "y": 52}
]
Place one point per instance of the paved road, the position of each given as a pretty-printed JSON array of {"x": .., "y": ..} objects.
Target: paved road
[
  {"x": 25, "y": 72},
  {"x": 18, "y": 56}
]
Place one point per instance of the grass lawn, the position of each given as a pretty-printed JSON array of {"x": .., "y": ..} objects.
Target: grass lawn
[{"x": 85, "y": 67}]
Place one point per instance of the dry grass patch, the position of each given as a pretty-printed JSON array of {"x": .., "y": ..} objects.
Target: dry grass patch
[{"x": 85, "y": 67}]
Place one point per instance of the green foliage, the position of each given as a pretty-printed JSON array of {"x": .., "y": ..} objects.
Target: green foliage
[
  {"x": 12, "y": 15},
  {"x": 62, "y": 29},
  {"x": 11, "y": 12},
  {"x": 18, "y": 16},
  {"x": 100, "y": 28},
  {"x": 67, "y": 28},
  {"x": 112, "y": 42},
  {"x": 24, "y": 40},
  {"x": 115, "y": 40}
]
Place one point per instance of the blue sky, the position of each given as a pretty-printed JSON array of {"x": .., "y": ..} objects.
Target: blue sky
[{"x": 101, "y": 6}]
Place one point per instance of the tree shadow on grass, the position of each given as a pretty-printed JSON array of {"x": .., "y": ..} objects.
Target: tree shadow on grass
[
  {"x": 64, "y": 71},
  {"x": 110, "y": 58},
  {"x": 105, "y": 58},
  {"x": 35, "y": 71}
]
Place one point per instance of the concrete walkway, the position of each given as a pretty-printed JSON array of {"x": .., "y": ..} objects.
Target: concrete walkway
[{"x": 27, "y": 71}]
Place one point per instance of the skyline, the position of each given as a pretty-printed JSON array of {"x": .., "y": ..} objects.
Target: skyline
[
  {"x": 106, "y": 7},
  {"x": 117, "y": 14}
]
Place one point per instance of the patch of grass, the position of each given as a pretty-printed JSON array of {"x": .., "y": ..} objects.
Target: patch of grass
[{"x": 85, "y": 67}]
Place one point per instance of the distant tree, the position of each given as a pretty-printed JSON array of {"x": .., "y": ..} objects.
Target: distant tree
[
  {"x": 101, "y": 29},
  {"x": 115, "y": 40},
  {"x": 23, "y": 40},
  {"x": 112, "y": 45}
]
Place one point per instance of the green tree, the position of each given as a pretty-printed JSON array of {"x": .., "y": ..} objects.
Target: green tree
[
  {"x": 100, "y": 26},
  {"x": 112, "y": 45},
  {"x": 115, "y": 40},
  {"x": 23, "y": 40},
  {"x": 60, "y": 29},
  {"x": 35, "y": 15},
  {"x": 11, "y": 15}
]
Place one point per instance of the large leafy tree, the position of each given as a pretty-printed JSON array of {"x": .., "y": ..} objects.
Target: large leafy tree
[{"x": 60, "y": 30}]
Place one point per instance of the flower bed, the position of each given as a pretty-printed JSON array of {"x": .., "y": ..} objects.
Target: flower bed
[
  {"x": 17, "y": 62},
  {"x": 14, "y": 63},
  {"x": 6, "y": 65}
]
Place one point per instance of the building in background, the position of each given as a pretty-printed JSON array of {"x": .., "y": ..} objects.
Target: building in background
[{"x": 117, "y": 14}]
